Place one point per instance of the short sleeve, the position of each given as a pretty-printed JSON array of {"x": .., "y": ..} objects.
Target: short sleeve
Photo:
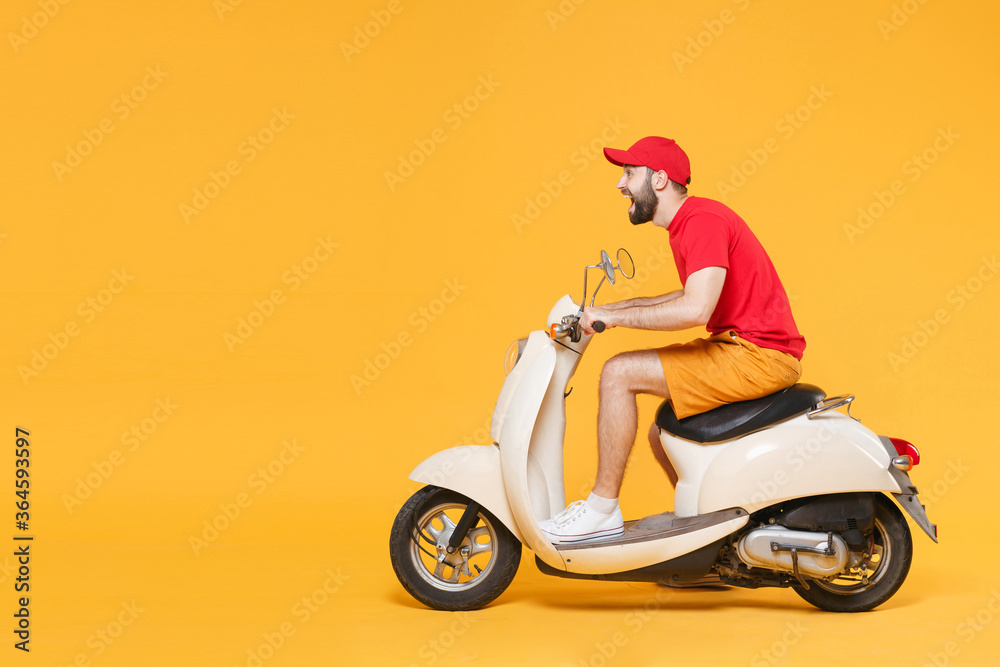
[{"x": 705, "y": 243}]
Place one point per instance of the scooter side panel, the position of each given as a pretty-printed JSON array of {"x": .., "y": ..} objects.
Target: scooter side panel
[
  {"x": 473, "y": 471},
  {"x": 800, "y": 457},
  {"x": 514, "y": 444},
  {"x": 537, "y": 341},
  {"x": 690, "y": 461},
  {"x": 545, "y": 453}
]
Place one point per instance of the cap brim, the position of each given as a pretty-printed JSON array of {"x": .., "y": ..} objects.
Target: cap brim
[{"x": 620, "y": 157}]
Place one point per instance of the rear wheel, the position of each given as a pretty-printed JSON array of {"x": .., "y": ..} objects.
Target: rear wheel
[
  {"x": 470, "y": 577},
  {"x": 878, "y": 577}
]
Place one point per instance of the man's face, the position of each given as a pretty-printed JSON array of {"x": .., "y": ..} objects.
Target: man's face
[{"x": 636, "y": 183}]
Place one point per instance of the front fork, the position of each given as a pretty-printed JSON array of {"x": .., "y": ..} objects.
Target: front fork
[{"x": 468, "y": 521}]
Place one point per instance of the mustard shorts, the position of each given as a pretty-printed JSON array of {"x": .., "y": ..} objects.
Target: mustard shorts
[{"x": 721, "y": 369}]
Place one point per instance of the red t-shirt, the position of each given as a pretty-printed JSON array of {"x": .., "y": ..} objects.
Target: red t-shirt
[{"x": 753, "y": 302}]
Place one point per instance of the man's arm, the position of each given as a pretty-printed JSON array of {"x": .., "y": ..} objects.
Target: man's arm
[
  {"x": 643, "y": 301},
  {"x": 691, "y": 308}
]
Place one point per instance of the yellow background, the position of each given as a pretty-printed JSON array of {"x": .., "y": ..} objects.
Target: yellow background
[{"x": 560, "y": 75}]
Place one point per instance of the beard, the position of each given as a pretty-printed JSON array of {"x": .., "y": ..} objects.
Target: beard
[{"x": 644, "y": 202}]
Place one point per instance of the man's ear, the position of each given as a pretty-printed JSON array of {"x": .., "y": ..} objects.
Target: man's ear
[{"x": 660, "y": 180}]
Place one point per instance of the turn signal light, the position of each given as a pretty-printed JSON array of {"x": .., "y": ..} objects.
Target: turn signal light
[{"x": 904, "y": 462}]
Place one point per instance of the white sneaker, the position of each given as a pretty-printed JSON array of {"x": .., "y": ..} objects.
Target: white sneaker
[{"x": 580, "y": 522}]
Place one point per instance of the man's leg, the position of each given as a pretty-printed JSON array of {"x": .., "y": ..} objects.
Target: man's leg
[
  {"x": 624, "y": 376},
  {"x": 660, "y": 455}
]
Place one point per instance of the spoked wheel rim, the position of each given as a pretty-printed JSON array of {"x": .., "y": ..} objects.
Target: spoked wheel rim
[
  {"x": 853, "y": 580},
  {"x": 469, "y": 564}
]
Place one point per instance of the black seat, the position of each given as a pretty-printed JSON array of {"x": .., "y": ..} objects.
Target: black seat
[{"x": 736, "y": 419}]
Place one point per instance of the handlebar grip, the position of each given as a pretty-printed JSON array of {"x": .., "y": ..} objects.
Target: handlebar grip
[{"x": 599, "y": 326}]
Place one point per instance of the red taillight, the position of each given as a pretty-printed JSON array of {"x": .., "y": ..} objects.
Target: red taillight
[{"x": 906, "y": 448}]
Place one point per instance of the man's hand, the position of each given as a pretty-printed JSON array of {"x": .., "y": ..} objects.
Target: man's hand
[{"x": 596, "y": 314}]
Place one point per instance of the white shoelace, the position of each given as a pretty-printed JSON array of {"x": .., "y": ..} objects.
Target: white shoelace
[{"x": 569, "y": 513}]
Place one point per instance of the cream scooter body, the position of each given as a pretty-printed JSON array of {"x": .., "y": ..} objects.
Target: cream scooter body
[
  {"x": 520, "y": 478},
  {"x": 803, "y": 456},
  {"x": 780, "y": 491}
]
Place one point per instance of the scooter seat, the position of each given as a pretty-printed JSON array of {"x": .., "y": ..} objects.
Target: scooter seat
[{"x": 742, "y": 417}]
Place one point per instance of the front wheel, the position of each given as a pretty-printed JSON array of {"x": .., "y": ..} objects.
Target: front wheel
[
  {"x": 879, "y": 577},
  {"x": 470, "y": 577}
]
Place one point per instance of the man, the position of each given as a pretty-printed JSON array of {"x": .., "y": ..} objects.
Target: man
[{"x": 730, "y": 286}]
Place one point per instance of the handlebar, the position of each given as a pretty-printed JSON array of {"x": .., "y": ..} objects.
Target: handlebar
[{"x": 570, "y": 326}]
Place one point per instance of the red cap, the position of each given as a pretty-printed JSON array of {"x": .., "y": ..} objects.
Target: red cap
[{"x": 656, "y": 153}]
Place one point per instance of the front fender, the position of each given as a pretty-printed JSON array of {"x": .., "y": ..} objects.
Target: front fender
[{"x": 475, "y": 472}]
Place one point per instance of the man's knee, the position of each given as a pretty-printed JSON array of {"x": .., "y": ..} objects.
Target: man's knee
[
  {"x": 615, "y": 370},
  {"x": 634, "y": 364},
  {"x": 638, "y": 372}
]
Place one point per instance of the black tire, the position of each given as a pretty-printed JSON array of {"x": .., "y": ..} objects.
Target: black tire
[
  {"x": 894, "y": 548},
  {"x": 458, "y": 583}
]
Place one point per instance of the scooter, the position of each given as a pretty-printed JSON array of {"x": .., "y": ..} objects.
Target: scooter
[{"x": 780, "y": 491}]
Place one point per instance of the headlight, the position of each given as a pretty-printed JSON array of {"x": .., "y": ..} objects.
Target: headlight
[{"x": 513, "y": 355}]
